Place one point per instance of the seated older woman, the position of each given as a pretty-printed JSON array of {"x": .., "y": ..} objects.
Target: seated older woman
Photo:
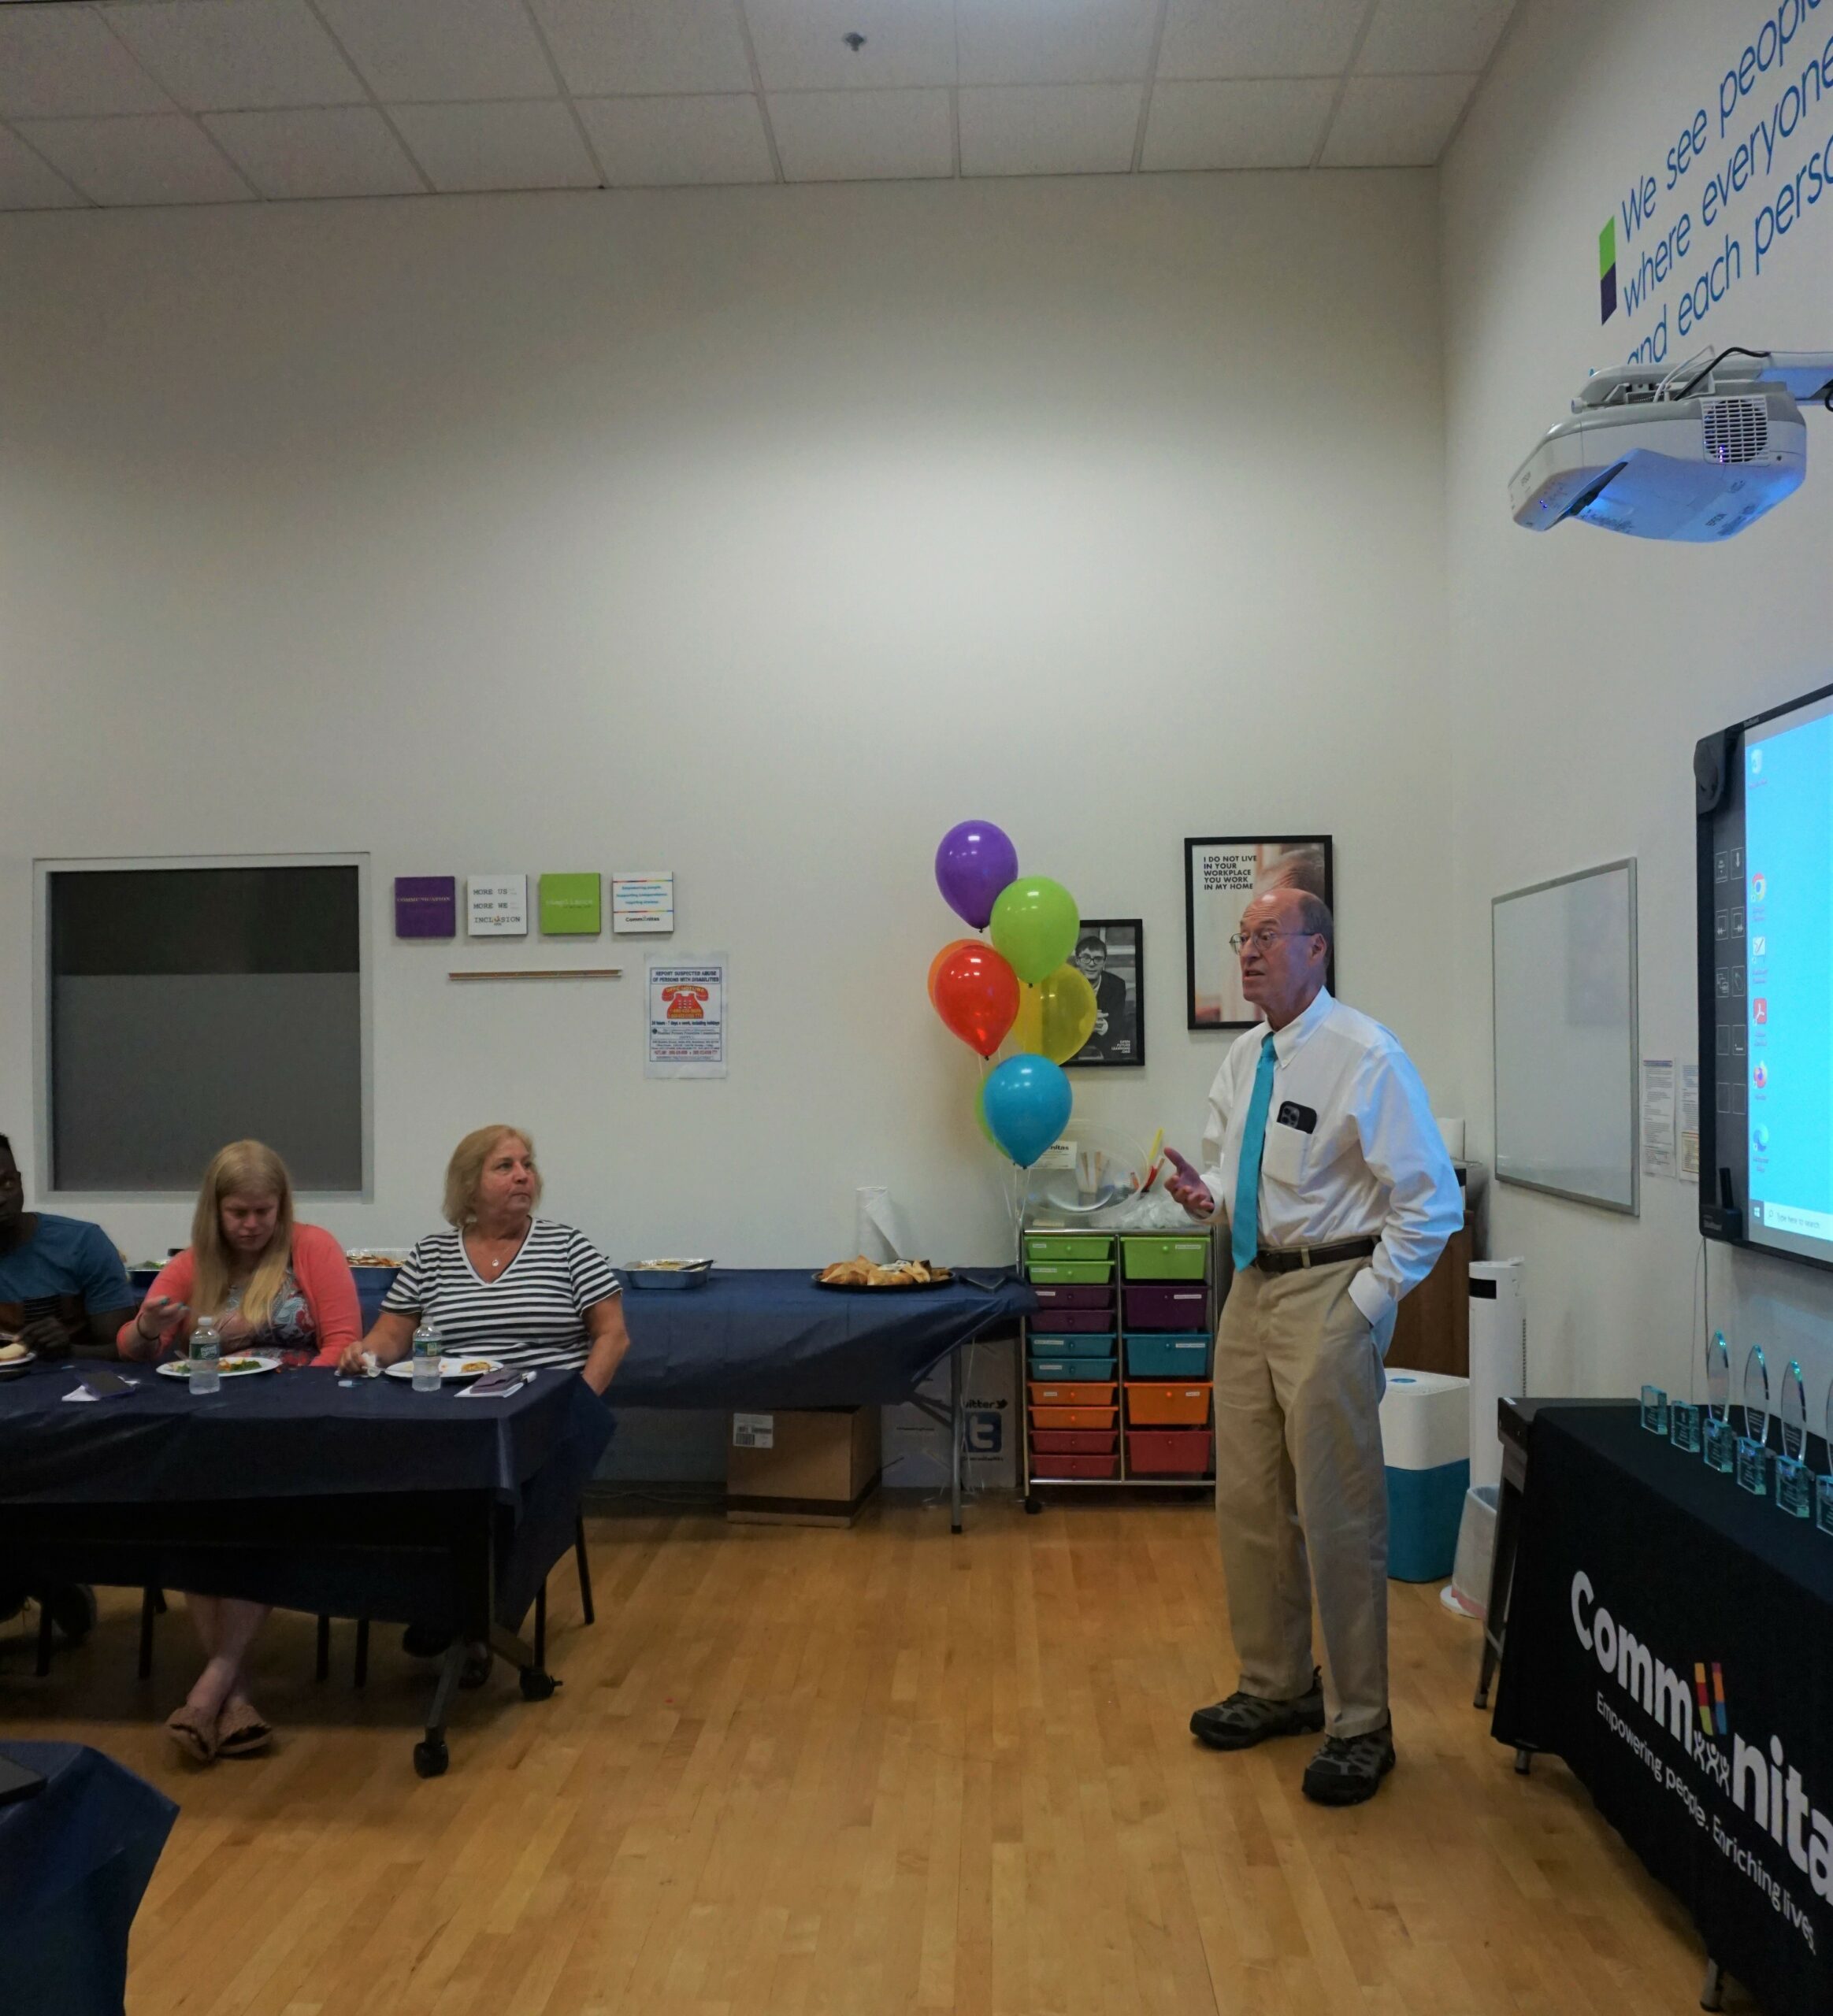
[
  {"x": 530, "y": 1291},
  {"x": 272, "y": 1285}
]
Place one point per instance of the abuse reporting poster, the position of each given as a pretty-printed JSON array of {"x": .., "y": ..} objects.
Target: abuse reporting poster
[{"x": 687, "y": 1018}]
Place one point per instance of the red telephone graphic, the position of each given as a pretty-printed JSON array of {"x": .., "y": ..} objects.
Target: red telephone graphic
[{"x": 684, "y": 1002}]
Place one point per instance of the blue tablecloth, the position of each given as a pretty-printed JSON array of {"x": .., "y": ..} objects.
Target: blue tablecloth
[
  {"x": 768, "y": 1338},
  {"x": 74, "y": 1861}
]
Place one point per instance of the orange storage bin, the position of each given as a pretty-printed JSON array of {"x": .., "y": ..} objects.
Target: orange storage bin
[
  {"x": 1156, "y": 1404},
  {"x": 1075, "y": 1417},
  {"x": 1074, "y": 1393}
]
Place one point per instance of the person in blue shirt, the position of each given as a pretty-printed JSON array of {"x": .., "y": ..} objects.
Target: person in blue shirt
[{"x": 63, "y": 1288}]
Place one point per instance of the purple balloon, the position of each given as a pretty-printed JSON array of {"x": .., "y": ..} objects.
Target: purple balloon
[{"x": 974, "y": 863}]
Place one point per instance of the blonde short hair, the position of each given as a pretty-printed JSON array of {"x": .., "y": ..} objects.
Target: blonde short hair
[{"x": 465, "y": 1170}]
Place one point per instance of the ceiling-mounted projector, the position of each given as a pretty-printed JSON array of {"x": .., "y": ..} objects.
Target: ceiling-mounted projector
[{"x": 1686, "y": 455}]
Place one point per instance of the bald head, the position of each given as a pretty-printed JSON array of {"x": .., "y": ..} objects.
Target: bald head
[{"x": 1286, "y": 939}]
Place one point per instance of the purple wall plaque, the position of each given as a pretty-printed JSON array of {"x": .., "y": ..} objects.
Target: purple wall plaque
[{"x": 426, "y": 906}]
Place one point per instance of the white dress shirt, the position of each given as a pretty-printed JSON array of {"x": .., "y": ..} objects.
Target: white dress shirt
[{"x": 1371, "y": 1164}]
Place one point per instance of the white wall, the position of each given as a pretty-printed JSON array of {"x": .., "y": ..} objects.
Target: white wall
[
  {"x": 1582, "y": 667},
  {"x": 760, "y": 535}
]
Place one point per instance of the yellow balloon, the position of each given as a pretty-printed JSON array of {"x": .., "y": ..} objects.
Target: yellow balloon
[{"x": 1057, "y": 1017}]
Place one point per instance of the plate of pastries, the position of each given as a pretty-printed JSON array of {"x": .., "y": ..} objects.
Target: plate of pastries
[{"x": 872, "y": 1275}]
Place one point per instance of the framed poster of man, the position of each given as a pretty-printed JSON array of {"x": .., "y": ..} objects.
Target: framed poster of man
[
  {"x": 1221, "y": 878},
  {"x": 1110, "y": 953}
]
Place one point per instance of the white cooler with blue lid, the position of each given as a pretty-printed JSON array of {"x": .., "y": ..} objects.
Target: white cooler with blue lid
[{"x": 1425, "y": 1441}]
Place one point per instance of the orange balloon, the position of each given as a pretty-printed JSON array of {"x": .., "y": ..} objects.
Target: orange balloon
[
  {"x": 954, "y": 945},
  {"x": 976, "y": 994}
]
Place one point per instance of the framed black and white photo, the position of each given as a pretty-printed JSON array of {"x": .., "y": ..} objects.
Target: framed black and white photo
[
  {"x": 1110, "y": 953},
  {"x": 1221, "y": 878}
]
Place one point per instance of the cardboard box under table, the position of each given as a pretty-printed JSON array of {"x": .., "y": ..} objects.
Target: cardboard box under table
[{"x": 802, "y": 1467}]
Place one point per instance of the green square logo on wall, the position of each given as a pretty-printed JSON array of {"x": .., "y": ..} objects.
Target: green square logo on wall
[
  {"x": 571, "y": 906},
  {"x": 1607, "y": 271}
]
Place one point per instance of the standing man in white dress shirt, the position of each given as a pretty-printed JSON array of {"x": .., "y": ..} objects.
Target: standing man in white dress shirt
[{"x": 1322, "y": 1154}]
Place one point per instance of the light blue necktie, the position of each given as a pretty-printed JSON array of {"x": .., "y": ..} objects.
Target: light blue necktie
[{"x": 1246, "y": 1239}]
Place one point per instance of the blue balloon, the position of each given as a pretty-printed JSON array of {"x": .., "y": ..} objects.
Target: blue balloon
[{"x": 1026, "y": 1101}]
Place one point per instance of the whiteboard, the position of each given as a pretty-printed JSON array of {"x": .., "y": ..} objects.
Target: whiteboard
[{"x": 1564, "y": 956}]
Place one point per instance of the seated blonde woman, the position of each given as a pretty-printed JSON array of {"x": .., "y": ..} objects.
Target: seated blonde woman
[
  {"x": 528, "y": 1290},
  {"x": 273, "y": 1285}
]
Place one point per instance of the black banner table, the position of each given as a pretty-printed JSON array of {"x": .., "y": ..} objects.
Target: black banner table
[
  {"x": 345, "y": 1497},
  {"x": 1671, "y": 1637},
  {"x": 74, "y": 1861}
]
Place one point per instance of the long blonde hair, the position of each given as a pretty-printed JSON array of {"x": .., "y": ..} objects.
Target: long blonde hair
[
  {"x": 244, "y": 1169},
  {"x": 465, "y": 1170}
]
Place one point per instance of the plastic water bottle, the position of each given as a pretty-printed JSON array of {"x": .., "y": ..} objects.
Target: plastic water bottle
[
  {"x": 206, "y": 1356},
  {"x": 429, "y": 1347}
]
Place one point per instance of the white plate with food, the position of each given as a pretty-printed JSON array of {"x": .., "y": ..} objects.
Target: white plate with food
[
  {"x": 450, "y": 1368},
  {"x": 233, "y": 1364},
  {"x": 14, "y": 1356},
  {"x": 873, "y": 1277}
]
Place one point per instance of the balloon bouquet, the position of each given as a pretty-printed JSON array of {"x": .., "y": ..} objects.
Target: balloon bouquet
[{"x": 1020, "y": 986}]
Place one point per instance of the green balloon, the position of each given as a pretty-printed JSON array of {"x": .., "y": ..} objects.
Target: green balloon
[{"x": 1034, "y": 925}]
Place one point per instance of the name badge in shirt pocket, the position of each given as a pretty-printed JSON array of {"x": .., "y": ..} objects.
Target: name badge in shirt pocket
[{"x": 1283, "y": 1157}]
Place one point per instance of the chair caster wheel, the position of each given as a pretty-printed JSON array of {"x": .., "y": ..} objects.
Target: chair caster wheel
[
  {"x": 430, "y": 1758},
  {"x": 1033, "y": 1506},
  {"x": 537, "y": 1685}
]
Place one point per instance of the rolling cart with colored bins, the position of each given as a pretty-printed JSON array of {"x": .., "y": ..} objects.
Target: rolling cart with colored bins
[{"x": 1118, "y": 1360}]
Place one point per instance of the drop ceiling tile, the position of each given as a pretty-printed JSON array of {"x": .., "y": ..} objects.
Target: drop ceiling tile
[
  {"x": 1418, "y": 37},
  {"x": 860, "y": 136},
  {"x": 26, "y": 184},
  {"x": 62, "y": 63},
  {"x": 525, "y": 143},
  {"x": 657, "y": 143},
  {"x": 800, "y": 44},
  {"x": 1395, "y": 122},
  {"x": 333, "y": 151},
  {"x": 1259, "y": 38},
  {"x": 1268, "y": 122},
  {"x": 158, "y": 157},
  {"x": 1049, "y": 129},
  {"x": 414, "y": 50},
  {"x": 1073, "y": 42},
  {"x": 225, "y": 55},
  {"x": 646, "y": 46}
]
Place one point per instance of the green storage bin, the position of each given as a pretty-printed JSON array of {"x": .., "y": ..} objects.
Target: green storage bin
[
  {"x": 1071, "y": 1272},
  {"x": 1069, "y": 1246},
  {"x": 1176, "y": 1258}
]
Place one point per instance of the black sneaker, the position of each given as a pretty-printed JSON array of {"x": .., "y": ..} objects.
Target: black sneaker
[
  {"x": 1350, "y": 1769},
  {"x": 1244, "y": 1720}
]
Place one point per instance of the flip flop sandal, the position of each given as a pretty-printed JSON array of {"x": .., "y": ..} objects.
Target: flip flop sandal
[
  {"x": 243, "y": 1732},
  {"x": 193, "y": 1732}
]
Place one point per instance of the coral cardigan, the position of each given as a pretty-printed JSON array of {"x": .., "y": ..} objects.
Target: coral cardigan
[{"x": 324, "y": 1277}]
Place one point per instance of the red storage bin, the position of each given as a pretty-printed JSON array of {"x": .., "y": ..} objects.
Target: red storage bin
[
  {"x": 1073, "y": 1393},
  {"x": 1166, "y": 1306},
  {"x": 1074, "y": 1418},
  {"x": 1167, "y": 1452},
  {"x": 1069, "y": 1469},
  {"x": 1053, "y": 1295},
  {"x": 1164, "y": 1403},
  {"x": 1075, "y": 1442}
]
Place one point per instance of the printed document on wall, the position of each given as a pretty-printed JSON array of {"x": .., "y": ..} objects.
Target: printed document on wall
[
  {"x": 687, "y": 1018},
  {"x": 1657, "y": 1115}
]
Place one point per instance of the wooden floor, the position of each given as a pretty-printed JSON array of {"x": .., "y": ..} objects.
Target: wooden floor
[{"x": 810, "y": 1771}]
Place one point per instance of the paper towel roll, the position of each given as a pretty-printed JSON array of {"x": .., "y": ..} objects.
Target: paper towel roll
[
  {"x": 1498, "y": 1357},
  {"x": 877, "y": 1228},
  {"x": 1451, "y": 1132}
]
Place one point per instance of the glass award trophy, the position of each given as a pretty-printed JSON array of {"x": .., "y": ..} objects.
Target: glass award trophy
[
  {"x": 1794, "y": 1486},
  {"x": 1683, "y": 1426},
  {"x": 1753, "y": 1466},
  {"x": 1654, "y": 1410},
  {"x": 1824, "y": 1486},
  {"x": 1719, "y": 1449}
]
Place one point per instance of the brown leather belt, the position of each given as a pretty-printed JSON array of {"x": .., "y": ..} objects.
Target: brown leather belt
[{"x": 1289, "y": 1259}]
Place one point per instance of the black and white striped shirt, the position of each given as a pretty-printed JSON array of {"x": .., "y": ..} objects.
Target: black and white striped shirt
[{"x": 533, "y": 1313}]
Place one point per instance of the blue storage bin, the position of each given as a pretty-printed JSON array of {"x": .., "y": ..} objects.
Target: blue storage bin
[
  {"x": 1095, "y": 1344},
  {"x": 1071, "y": 1367},
  {"x": 1168, "y": 1354}
]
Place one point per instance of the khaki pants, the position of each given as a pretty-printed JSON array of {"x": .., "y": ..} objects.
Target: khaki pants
[{"x": 1300, "y": 1494}]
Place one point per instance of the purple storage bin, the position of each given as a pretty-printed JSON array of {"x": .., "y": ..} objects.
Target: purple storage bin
[
  {"x": 1054, "y": 1296},
  {"x": 1166, "y": 1306},
  {"x": 1077, "y": 1322}
]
